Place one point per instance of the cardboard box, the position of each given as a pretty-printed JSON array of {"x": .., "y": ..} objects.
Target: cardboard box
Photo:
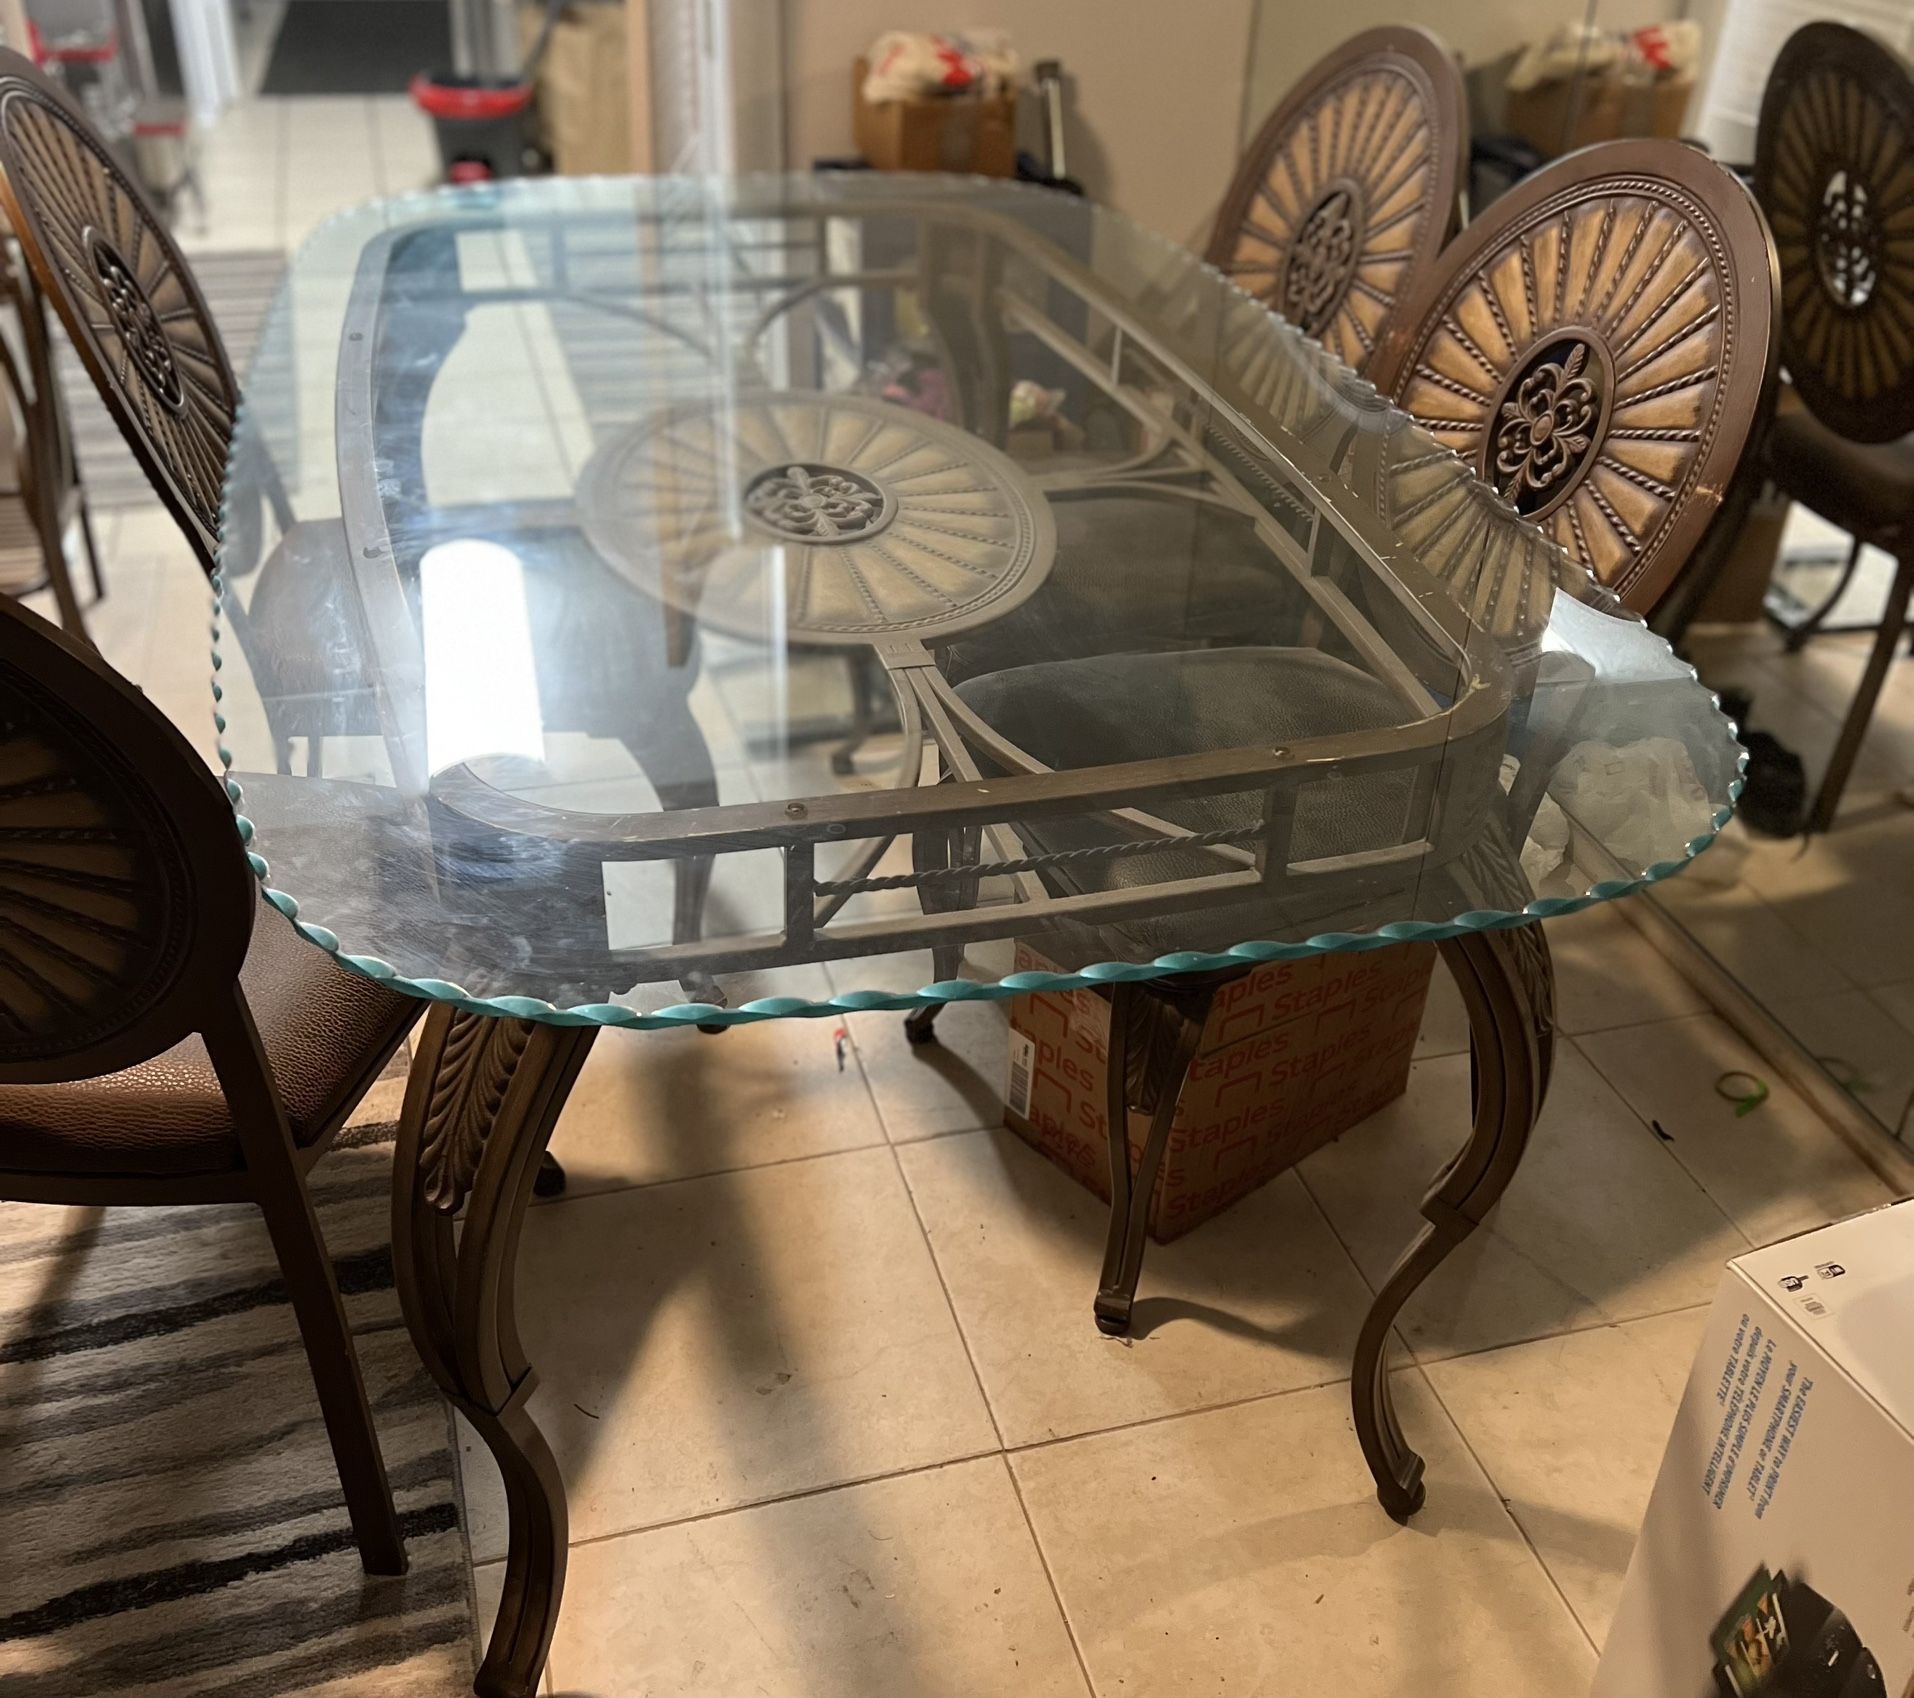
[
  {"x": 966, "y": 133},
  {"x": 1739, "y": 595},
  {"x": 1777, "y": 1557},
  {"x": 1609, "y": 108},
  {"x": 1292, "y": 1055},
  {"x": 584, "y": 91}
]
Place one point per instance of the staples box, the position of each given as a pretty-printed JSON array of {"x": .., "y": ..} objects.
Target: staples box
[
  {"x": 1778, "y": 1553},
  {"x": 1291, "y": 1055}
]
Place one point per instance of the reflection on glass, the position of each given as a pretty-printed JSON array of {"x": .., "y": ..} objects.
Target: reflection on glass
[{"x": 481, "y": 680}]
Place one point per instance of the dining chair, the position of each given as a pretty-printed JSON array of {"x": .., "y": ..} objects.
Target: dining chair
[
  {"x": 1350, "y": 189},
  {"x": 1599, "y": 348},
  {"x": 1339, "y": 206},
  {"x": 44, "y": 500},
  {"x": 1831, "y": 151},
  {"x": 163, "y": 1040},
  {"x": 135, "y": 315}
]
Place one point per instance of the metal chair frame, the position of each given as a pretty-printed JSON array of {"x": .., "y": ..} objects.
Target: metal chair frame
[{"x": 194, "y": 902}]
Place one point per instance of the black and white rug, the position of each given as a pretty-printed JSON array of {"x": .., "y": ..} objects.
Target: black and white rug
[{"x": 171, "y": 1524}]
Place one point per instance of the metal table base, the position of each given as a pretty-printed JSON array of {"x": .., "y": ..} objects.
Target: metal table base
[{"x": 486, "y": 1092}]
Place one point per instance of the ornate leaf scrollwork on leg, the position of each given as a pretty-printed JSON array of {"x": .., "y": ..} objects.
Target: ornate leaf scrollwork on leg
[
  {"x": 1154, "y": 1032},
  {"x": 479, "y": 1109},
  {"x": 475, "y": 1067}
]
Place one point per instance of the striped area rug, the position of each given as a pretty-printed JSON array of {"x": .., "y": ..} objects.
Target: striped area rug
[
  {"x": 239, "y": 288},
  {"x": 170, "y": 1523}
]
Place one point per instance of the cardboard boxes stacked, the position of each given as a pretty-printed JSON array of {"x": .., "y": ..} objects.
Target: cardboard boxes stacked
[
  {"x": 962, "y": 133},
  {"x": 1292, "y": 1055}
]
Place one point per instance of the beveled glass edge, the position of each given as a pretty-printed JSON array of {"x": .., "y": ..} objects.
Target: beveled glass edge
[{"x": 1248, "y": 954}]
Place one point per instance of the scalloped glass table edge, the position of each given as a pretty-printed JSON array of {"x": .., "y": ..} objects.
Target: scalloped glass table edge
[
  {"x": 939, "y": 993},
  {"x": 935, "y": 995}
]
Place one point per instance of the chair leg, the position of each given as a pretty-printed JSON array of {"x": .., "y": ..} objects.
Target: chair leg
[
  {"x": 93, "y": 569},
  {"x": 863, "y": 713},
  {"x": 1847, "y": 748},
  {"x": 691, "y": 884},
  {"x": 335, "y": 1372},
  {"x": 1153, "y": 1036},
  {"x": 1795, "y": 633},
  {"x": 265, "y": 1140},
  {"x": 64, "y": 599},
  {"x": 673, "y": 754}
]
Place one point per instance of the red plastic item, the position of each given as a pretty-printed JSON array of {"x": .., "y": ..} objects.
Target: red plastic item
[
  {"x": 85, "y": 53},
  {"x": 469, "y": 171},
  {"x": 449, "y": 100}
]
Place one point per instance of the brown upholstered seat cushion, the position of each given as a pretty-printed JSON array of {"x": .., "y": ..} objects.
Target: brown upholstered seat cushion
[
  {"x": 1865, "y": 487},
  {"x": 326, "y": 1031}
]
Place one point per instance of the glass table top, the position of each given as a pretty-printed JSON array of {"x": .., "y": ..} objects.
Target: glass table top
[{"x": 649, "y": 600}]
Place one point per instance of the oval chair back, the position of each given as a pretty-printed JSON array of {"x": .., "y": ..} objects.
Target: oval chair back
[
  {"x": 1599, "y": 347},
  {"x": 126, "y": 903},
  {"x": 1350, "y": 189},
  {"x": 125, "y": 293},
  {"x": 1834, "y": 171}
]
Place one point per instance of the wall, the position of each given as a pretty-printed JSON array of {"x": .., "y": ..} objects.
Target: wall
[
  {"x": 1157, "y": 107},
  {"x": 1291, "y": 36}
]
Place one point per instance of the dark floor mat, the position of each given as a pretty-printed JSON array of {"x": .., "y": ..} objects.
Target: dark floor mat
[{"x": 357, "y": 46}]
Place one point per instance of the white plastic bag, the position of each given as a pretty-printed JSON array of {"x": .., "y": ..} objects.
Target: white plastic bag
[{"x": 909, "y": 65}]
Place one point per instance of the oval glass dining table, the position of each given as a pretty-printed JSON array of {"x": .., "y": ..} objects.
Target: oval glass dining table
[{"x": 663, "y": 602}]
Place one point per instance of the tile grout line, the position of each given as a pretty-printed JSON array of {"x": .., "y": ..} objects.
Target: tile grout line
[
  {"x": 950, "y": 1305},
  {"x": 1673, "y": 1145},
  {"x": 796, "y": 1495},
  {"x": 377, "y": 131},
  {"x": 1509, "y": 1514},
  {"x": 1598, "y": 1325},
  {"x": 282, "y": 175},
  {"x": 1049, "y": 1574},
  {"x": 1667, "y": 1145},
  {"x": 625, "y": 1188},
  {"x": 1167, "y": 1415}
]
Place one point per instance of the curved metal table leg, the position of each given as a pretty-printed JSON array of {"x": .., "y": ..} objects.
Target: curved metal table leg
[
  {"x": 1154, "y": 1030},
  {"x": 481, "y": 1102},
  {"x": 1508, "y": 986}
]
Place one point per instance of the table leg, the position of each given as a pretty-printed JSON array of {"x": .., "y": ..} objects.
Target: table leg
[
  {"x": 480, "y": 1105},
  {"x": 1154, "y": 1029},
  {"x": 1508, "y": 986}
]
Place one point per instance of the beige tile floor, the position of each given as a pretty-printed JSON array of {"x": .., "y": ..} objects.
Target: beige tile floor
[
  {"x": 1821, "y": 931},
  {"x": 815, "y": 1339}
]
